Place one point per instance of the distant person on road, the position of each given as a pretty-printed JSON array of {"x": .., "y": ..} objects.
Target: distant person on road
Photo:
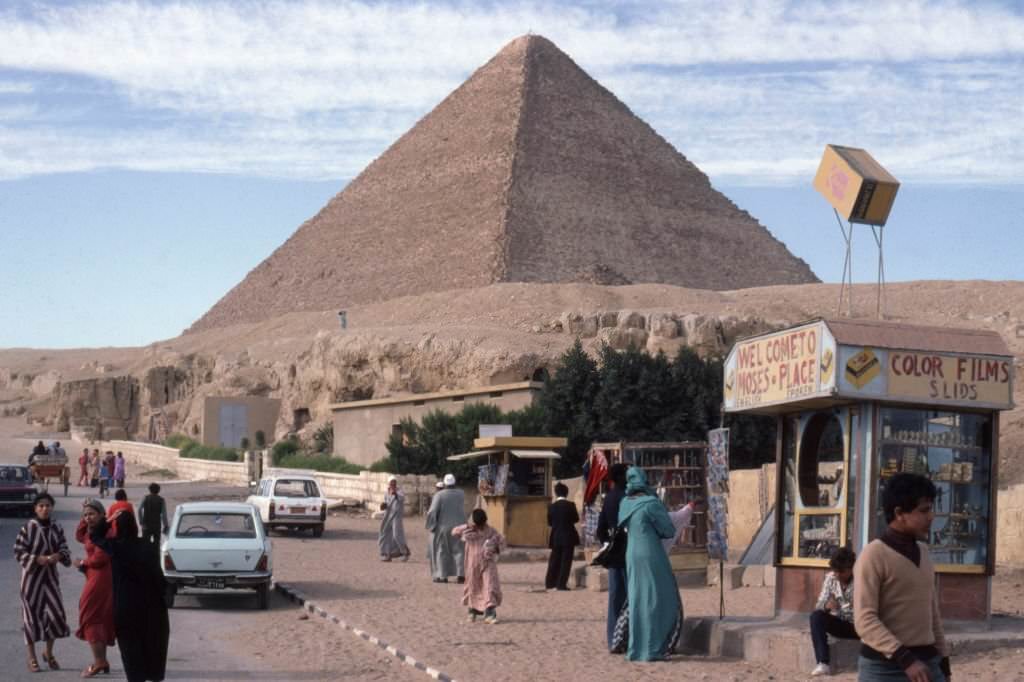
[
  {"x": 482, "y": 593},
  {"x": 140, "y": 613},
  {"x": 39, "y": 547},
  {"x": 153, "y": 516},
  {"x": 121, "y": 504},
  {"x": 58, "y": 450},
  {"x": 119, "y": 472},
  {"x": 447, "y": 511},
  {"x": 430, "y": 535},
  {"x": 833, "y": 613},
  {"x": 110, "y": 462},
  {"x": 104, "y": 478},
  {"x": 391, "y": 539},
  {"x": 83, "y": 466},
  {"x": 39, "y": 449},
  {"x": 96, "y": 605},
  {"x": 606, "y": 523},
  {"x": 562, "y": 519},
  {"x": 97, "y": 465},
  {"x": 654, "y": 609}
]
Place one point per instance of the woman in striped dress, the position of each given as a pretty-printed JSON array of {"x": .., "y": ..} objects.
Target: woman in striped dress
[{"x": 39, "y": 547}]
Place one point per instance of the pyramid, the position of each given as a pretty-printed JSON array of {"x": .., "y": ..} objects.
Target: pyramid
[{"x": 530, "y": 171}]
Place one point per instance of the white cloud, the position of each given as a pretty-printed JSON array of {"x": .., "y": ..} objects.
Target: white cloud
[{"x": 751, "y": 90}]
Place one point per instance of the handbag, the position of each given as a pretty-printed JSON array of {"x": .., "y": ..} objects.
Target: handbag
[{"x": 613, "y": 552}]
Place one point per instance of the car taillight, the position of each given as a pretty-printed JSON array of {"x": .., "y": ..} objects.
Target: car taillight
[
  {"x": 169, "y": 563},
  {"x": 261, "y": 565},
  {"x": 272, "y": 505}
]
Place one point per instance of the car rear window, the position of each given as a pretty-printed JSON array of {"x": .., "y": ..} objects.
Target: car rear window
[
  {"x": 9, "y": 474},
  {"x": 213, "y": 525},
  {"x": 289, "y": 488}
]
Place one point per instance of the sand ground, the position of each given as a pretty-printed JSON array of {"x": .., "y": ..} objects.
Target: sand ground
[{"x": 555, "y": 635}]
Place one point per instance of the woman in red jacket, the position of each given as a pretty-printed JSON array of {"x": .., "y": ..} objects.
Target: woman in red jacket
[{"x": 96, "y": 606}]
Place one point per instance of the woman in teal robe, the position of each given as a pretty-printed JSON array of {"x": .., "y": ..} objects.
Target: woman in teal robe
[{"x": 655, "y": 610}]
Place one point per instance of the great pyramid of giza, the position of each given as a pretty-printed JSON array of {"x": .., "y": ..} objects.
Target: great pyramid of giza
[{"x": 530, "y": 171}]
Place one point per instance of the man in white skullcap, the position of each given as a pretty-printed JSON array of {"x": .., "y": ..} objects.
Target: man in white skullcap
[{"x": 447, "y": 510}]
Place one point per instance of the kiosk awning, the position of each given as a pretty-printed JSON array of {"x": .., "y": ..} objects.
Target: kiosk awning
[
  {"x": 471, "y": 455},
  {"x": 536, "y": 454},
  {"x": 522, "y": 454}
]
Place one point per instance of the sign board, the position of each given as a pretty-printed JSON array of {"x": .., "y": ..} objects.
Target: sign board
[
  {"x": 856, "y": 185},
  {"x": 778, "y": 368},
  {"x": 495, "y": 431},
  {"x": 931, "y": 378},
  {"x": 718, "y": 488}
]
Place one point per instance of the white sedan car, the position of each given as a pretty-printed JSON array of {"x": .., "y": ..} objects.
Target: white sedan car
[
  {"x": 217, "y": 546},
  {"x": 294, "y": 501}
]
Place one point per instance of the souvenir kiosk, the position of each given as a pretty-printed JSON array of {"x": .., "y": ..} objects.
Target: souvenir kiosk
[
  {"x": 677, "y": 473},
  {"x": 515, "y": 484},
  {"x": 857, "y": 402}
]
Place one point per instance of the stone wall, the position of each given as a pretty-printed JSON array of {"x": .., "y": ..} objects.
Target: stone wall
[
  {"x": 1010, "y": 527},
  {"x": 146, "y": 456}
]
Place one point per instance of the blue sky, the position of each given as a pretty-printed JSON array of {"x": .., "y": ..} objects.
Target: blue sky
[{"x": 152, "y": 153}]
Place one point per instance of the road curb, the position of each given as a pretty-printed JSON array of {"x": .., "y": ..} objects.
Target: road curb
[{"x": 313, "y": 607}]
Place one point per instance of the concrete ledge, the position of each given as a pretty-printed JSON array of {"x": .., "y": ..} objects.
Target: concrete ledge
[{"x": 785, "y": 643}]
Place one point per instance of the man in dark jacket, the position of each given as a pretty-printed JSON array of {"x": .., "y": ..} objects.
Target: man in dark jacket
[
  {"x": 153, "y": 516},
  {"x": 608, "y": 520},
  {"x": 562, "y": 518}
]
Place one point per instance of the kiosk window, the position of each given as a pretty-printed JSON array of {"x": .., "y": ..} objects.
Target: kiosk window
[{"x": 820, "y": 465}]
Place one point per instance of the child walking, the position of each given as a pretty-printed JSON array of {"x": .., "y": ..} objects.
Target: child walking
[{"x": 482, "y": 593}]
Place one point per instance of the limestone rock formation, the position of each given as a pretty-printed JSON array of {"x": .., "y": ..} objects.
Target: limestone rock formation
[{"x": 530, "y": 171}]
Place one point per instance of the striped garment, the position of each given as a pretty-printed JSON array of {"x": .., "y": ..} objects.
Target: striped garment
[{"x": 42, "y": 608}]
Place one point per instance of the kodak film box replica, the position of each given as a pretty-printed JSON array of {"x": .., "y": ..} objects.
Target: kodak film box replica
[{"x": 856, "y": 185}]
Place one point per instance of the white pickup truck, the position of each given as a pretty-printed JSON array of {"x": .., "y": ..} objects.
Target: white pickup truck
[{"x": 294, "y": 501}]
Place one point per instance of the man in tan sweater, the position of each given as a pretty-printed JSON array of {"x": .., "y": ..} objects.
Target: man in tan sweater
[{"x": 895, "y": 610}]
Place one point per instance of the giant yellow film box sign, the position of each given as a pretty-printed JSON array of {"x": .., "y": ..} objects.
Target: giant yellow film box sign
[{"x": 856, "y": 185}]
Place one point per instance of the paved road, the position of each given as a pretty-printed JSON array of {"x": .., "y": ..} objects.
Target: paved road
[{"x": 198, "y": 650}]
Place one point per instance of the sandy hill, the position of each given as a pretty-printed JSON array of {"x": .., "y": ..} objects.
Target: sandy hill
[
  {"x": 530, "y": 171},
  {"x": 464, "y": 338}
]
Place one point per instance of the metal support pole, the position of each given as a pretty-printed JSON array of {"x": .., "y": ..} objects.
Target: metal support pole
[
  {"x": 847, "y": 269},
  {"x": 721, "y": 589},
  {"x": 880, "y": 296}
]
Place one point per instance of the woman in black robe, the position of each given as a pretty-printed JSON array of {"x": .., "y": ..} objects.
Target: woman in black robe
[{"x": 140, "y": 613}]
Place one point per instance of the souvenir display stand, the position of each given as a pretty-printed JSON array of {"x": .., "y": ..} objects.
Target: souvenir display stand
[
  {"x": 515, "y": 484},
  {"x": 857, "y": 402},
  {"x": 678, "y": 474}
]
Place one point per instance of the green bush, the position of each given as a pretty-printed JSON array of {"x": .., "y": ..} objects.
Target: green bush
[
  {"x": 337, "y": 465},
  {"x": 323, "y": 438},
  {"x": 284, "y": 448},
  {"x": 244, "y": 444},
  {"x": 177, "y": 440},
  {"x": 197, "y": 451},
  {"x": 382, "y": 466}
]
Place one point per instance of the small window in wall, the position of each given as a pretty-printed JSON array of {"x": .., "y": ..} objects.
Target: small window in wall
[
  {"x": 458, "y": 399},
  {"x": 396, "y": 429},
  {"x": 418, "y": 403},
  {"x": 300, "y": 417},
  {"x": 195, "y": 429},
  {"x": 496, "y": 394}
]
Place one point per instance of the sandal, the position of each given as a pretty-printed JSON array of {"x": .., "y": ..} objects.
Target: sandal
[
  {"x": 51, "y": 662},
  {"x": 94, "y": 670},
  {"x": 33, "y": 665}
]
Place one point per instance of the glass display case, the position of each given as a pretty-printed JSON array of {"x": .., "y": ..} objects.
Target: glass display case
[
  {"x": 954, "y": 450},
  {"x": 813, "y": 522}
]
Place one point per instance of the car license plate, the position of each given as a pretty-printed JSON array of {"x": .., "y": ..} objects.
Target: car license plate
[
  {"x": 298, "y": 510},
  {"x": 210, "y": 583}
]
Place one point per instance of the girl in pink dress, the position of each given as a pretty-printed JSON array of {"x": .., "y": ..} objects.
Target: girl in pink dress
[{"x": 482, "y": 593}]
